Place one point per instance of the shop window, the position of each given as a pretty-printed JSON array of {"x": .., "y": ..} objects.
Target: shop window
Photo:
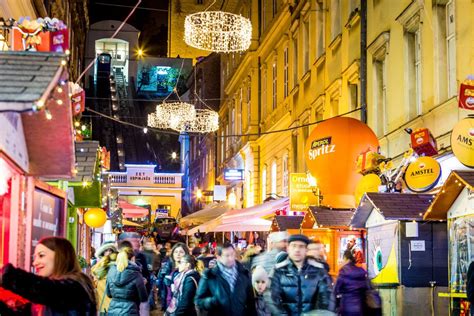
[
  {"x": 274, "y": 178},
  {"x": 264, "y": 183}
]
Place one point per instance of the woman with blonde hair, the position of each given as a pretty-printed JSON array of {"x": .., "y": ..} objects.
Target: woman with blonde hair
[
  {"x": 107, "y": 254},
  {"x": 125, "y": 285},
  {"x": 58, "y": 286}
]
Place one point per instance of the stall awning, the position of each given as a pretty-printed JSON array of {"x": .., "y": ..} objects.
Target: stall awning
[
  {"x": 209, "y": 213},
  {"x": 29, "y": 77},
  {"x": 130, "y": 223},
  {"x": 283, "y": 223},
  {"x": 326, "y": 217},
  {"x": 130, "y": 210},
  {"x": 392, "y": 206},
  {"x": 256, "y": 224},
  {"x": 452, "y": 187},
  {"x": 266, "y": 209}
]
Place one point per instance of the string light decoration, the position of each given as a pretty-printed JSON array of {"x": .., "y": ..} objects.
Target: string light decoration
[
  {"x": 218, "y": 31},
  {"x": 206, "y": 121},
  {"x": 172, "y": 115}
]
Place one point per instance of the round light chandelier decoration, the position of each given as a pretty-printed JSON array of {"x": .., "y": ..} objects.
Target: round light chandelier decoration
[
  {"x": 172, "y": 115},
  {"x": 183, "y": 117},
  {"x": 218, "y": 31}
]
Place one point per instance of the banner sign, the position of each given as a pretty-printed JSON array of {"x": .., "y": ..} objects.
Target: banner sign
[
  {"x": 301, "y": 194},
  {"x": 233, "y": 174}
]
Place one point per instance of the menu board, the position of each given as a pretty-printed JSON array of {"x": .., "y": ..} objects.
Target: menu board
[{"x": 48, "y": 216}]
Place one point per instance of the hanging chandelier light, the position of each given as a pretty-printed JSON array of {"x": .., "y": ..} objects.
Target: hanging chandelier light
[
  {"x": 172, "y": 115},
  {"x": 218, "y": 31},
  {"x": 205, "y": 121}
]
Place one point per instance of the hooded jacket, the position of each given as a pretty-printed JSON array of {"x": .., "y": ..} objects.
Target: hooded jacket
[
  {"x": 351, "y": 286},
  {"x": 215, "y": 297},
  {"x": 294, "y": 292},
  {"x": 126, "y": 289},
  {"x": 185, "y": 299}
]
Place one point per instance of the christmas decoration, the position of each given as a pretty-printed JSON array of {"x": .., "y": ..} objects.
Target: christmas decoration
[
  {"x": 218, "y": 31},
  {"x": 466, "y": 94}
]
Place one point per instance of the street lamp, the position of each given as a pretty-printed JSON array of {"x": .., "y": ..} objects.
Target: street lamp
[
  {"x": 198, "y": 197},
  {"x": 232, "y": 199},
  {"x": 174, "y": 155}
]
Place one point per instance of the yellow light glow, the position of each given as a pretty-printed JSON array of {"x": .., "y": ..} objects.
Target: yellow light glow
[
  {"x": 198, "y": 194},
  {"x": 174, "y": 155},
  {"x": 232, "y": 199}
]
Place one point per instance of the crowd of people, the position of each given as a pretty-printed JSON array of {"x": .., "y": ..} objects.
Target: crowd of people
[{"x": 134, "y": 276}]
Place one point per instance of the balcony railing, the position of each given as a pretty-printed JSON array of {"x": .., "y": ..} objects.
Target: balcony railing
[{"x": 164, "y": 180}]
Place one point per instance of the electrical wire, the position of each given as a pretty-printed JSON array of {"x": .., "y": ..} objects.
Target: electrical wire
[
  {"x": 214, "y": 135},
  {"x": 130, "y": 6}
]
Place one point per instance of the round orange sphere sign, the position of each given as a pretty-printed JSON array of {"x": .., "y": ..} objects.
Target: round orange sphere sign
[
  {"x": 331, "y": 156},
  {"x": 95, "y": 217}
]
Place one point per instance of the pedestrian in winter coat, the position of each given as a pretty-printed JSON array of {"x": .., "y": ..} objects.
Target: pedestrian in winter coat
[
  {"x": 58, "y": 287},
  {"x": 278, "y": 242},
  {"x": 184, "y": 287},
  {"x": 125, "y": 285},
  {"x": 169, "y": 271},
  {"x": 260, "y": 282},
  {"x": 107, "y": 254},
  {"x": 299, "y": 285},
  {"x": 226, "y": 289},
  {"x": 351, "y": 287}
]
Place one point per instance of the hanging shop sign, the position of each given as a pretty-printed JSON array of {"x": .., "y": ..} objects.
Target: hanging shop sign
[
  {"x": 466, "y": 94},
  {"x": 301, "y": 193},
  {"x": 331, "y": 155},
  {"x": 422, "y": 174},
  {"x": 233, "y": 174},
  {"x": 423, "y": 143},
  {"x": 462, "y": 141}
]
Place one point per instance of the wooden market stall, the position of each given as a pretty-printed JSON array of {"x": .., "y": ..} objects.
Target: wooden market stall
[
  {"x": 331, "y": 227},
  {"x": 455, "y": 203},
  {"x": 406, "y": 256},
  {"x": 286, "y": 222}
]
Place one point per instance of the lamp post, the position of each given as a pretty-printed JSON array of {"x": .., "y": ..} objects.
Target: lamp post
[{"x": 199, "y": 196}]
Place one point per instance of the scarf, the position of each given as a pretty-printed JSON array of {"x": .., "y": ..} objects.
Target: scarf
[
  {"x": 229, "y": 274},
  {"x": 177, "y": 290}
]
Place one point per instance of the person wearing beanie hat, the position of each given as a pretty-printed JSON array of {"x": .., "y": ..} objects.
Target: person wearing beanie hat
[
  {"x": 277, "y": 243},
  {"x": 298, "y": 284},
  {"x": 260, "y": 283}
]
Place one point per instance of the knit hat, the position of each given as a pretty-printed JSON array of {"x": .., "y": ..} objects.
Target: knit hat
[
  {"x": 109, "y": 245},
  {"x": 298, "y": 237},
  {"x": 278, "y": 236},
  {"x": 259, "y": 274}
]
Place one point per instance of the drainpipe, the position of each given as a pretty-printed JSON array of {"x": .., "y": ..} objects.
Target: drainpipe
[{"x": 363, "y": 61}]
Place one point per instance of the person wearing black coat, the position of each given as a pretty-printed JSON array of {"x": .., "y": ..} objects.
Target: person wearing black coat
[
  {"x": 185, "y": 287},
  {"x": 58, "y": 287},
  {"x": 226, "y": 289},
  {"x": 125, "y": 285},
  {"x": 299, "y": 285},
  {"x": 351, "y": 288}
]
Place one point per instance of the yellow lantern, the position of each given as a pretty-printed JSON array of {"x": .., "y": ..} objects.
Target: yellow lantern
[{"x": 95, "y": 217}]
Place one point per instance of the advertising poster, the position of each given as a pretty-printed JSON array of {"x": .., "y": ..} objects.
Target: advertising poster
[
  {"x": 382, "y": 266},
  {"x": 47, "y": 216},
  {"x": 301, "y": 194}
]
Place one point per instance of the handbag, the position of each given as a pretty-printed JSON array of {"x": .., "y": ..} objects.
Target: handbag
[{"x": 373, "y": 301}]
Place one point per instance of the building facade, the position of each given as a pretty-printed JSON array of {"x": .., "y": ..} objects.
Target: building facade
[{"x": 304, "y": 66}]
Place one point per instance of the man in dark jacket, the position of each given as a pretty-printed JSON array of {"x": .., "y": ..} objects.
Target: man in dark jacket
[
  {"x": 316, "y": 251},
  {"x": 298, "y": 284},
  {"x": 226, "y": 289}
]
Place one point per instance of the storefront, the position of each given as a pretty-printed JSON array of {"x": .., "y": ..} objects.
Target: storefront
[
  {"x": 455, "y": 203},
  {"x": 406, "y": 256},
  {"x": 331, "y": 228},
  {"x": 33, "y": 145}
]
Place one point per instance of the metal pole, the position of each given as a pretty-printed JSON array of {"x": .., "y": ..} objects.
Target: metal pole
[{"x": 363, "y": 61}]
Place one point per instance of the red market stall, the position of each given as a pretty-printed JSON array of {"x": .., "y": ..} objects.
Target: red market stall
[{"x": 332, "y": 228}]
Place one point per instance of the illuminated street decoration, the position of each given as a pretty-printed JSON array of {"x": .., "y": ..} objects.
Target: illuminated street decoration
[{"x": 218, "y": 31}]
